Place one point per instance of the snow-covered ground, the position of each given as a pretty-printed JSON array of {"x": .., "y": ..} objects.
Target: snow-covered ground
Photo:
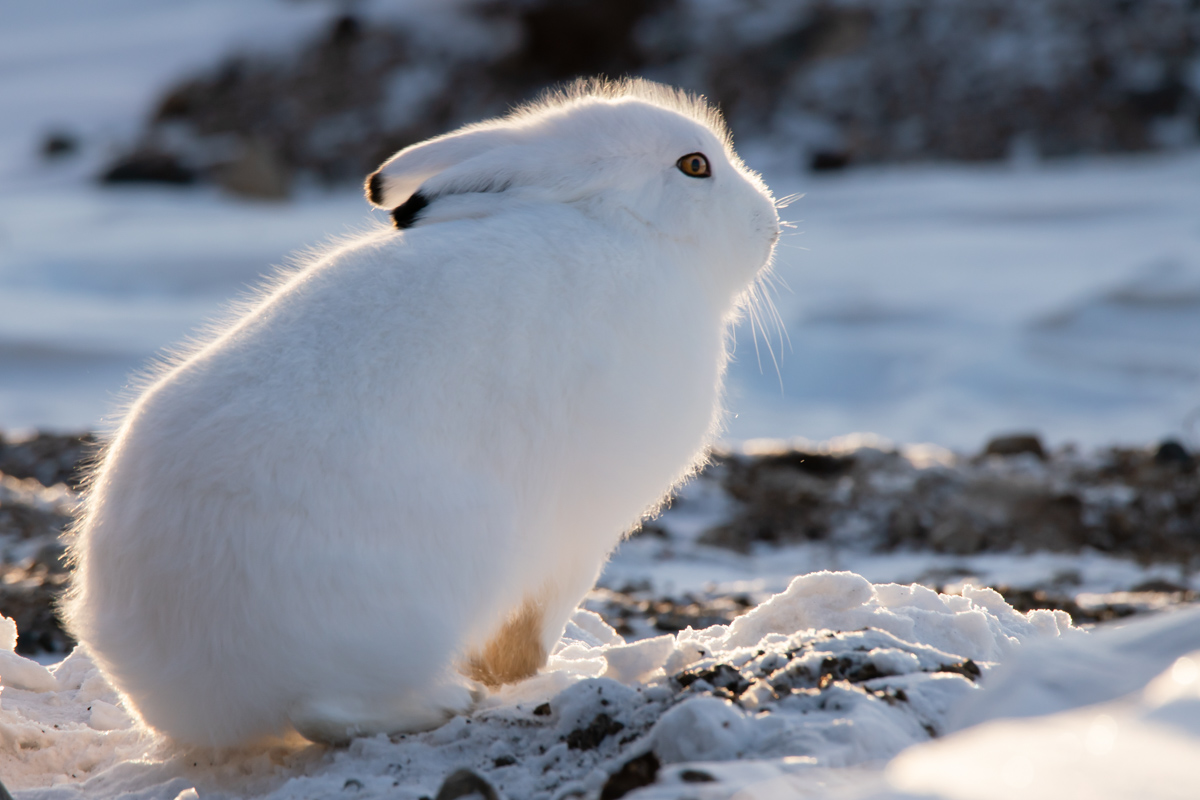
[
  {"x": 934, "y": 303},
  {"x": 833, "y": 688}
]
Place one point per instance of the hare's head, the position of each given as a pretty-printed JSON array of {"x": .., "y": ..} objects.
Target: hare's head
[{"x": 633, "y": 154}]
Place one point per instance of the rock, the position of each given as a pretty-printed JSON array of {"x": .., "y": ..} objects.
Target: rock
[
  {"x": 1015, "y": 444},
  {"x": 1135, "y": 502},
  {"x": 28, "y": 595},
  {"x": 49, "y": 457},
  {"x": 828, "y": 161},
  {"x": 59, "y": 144},
  {"x": 1173, "y": 453},
  {"x": 466, "y": 783},
  {"x": 633, "y": 774},
  {"x": 149, "y": 166},
  {"x": 695, "y": 776},
  {"x": 590, "y": 737}
]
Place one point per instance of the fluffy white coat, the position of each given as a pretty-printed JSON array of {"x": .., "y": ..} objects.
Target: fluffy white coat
[{"x": 310, "y": 518}]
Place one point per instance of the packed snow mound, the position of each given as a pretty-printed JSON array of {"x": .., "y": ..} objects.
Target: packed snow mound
[
  {"x": 1142, "y": 741},
  {"x": 833, "y": 672},
  {"x": 1112, "y": 663}
]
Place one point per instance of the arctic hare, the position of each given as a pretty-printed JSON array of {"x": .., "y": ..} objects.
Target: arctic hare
[{"x": 394, "y": 473}]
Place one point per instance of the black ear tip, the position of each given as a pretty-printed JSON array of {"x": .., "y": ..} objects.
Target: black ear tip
[
  {"x": 403, "y": 216},
  {"x": 375, "y": 188}
]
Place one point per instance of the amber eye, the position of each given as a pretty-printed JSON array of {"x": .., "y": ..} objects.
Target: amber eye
[{"x": 694, "y": 165}]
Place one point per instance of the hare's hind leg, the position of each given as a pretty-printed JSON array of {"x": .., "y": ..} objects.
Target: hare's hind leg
[
  {"x": 336, "y": 719},
  {"x": 515, "y": 652}
]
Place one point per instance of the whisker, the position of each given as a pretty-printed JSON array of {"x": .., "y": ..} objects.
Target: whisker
[
  {"x": 787, "y": 200},
  {"x": 778, "y": 280},
  {"x": 776, "y": 317},
  {"x": 770, "y": 349},
  {"x": 750, "y": 312}
]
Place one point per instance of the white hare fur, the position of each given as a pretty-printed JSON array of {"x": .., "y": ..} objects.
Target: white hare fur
[{"x": 397, "y": 470}]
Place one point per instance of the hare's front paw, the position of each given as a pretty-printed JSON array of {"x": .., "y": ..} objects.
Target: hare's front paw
[{"x": 335, "y": 719}]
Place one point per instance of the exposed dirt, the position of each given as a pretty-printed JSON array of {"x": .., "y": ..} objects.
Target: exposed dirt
[
  {"x": 49, "y": 457},
  {"x": 1143, "y": 503}
]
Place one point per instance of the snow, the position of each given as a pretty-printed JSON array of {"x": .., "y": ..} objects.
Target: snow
[
  {"x": 1112, "y": 663},
  {"x": 834, "y": 670},
  {"x": 830, "y": 689},
  {"x": 1128, "y": 721}
]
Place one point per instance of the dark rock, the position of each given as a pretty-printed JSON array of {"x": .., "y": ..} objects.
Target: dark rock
[
  {"x": 503, "y": 761},
  {"x": 848, "y": 669},
  {"x": 1173, "y": 453},
  {"x": 50, "y": 457},
  {"x": 599, "y": 729},
  {"x": 633, "y": 774},
  {"x": 29, "y": 598},
  {"x": 345, "y": 31},
  {"x": 720, "y": 676},
  {"x": 149, "y": 166},
  {"x": 968, "y": 669},
  {"x": 465, "y": 783},
  {"x": 21, "y": 521},
  {"x": 782, "y": 497},
  {"x": 1159, "y": 585},
  {"x": 695, "y": 776},
  {"x": 542, "y": 711},
  {"x": 59, "y": 144},
  {"x": 567, "y": 38},
  {"x": 827, "y": 161},
  {"x": 821, "y": 465},
  {"x": 1015, "y": 444}
]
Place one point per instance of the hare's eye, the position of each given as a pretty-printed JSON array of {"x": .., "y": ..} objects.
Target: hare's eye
[{"x": 694, "y": 165}]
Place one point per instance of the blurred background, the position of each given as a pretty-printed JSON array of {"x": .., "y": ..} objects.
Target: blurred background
[{"x": 999, "y": 230}]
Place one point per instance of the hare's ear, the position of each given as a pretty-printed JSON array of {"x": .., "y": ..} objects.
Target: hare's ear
[{"x": 401, "y": 175}]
